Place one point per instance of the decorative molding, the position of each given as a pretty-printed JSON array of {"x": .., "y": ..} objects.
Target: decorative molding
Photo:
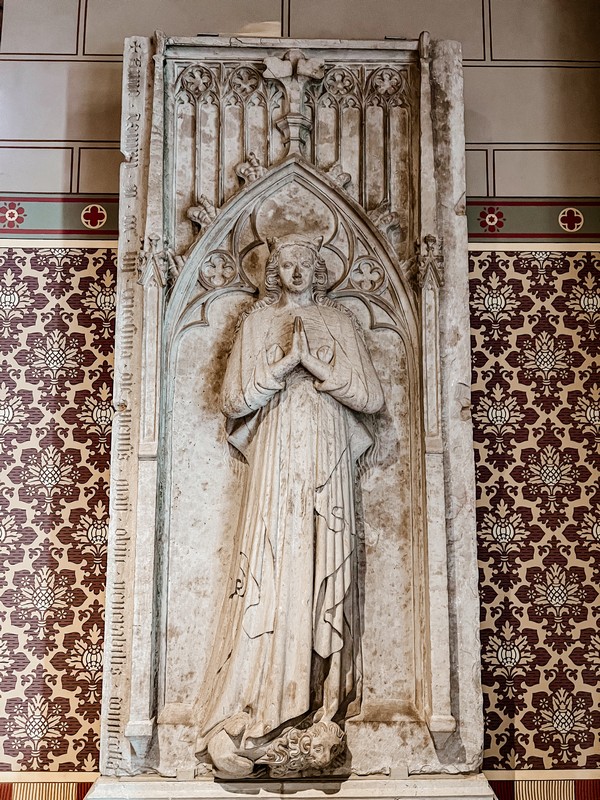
[
  {"x": 499, "y": 219},
  {"x": 60, "y": 217},
  {"x": 48, "y": 777},
  {"x": 542, "y": 774},
  {"x": 440, "y": 718},
  {"x": 534, "y": 247}
]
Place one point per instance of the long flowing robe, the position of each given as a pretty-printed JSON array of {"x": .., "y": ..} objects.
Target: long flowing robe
[{"x": 289, "y": 632}]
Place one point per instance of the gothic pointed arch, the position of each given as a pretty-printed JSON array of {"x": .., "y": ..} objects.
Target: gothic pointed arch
[{"x": 294, "y": 197}]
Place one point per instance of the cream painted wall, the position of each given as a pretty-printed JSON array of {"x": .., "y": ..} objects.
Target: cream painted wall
[{"x": 532, "y": 81}]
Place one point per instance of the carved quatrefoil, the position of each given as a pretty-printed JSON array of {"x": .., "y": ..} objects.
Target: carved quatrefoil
[
  {"x": 367, "y": 274},
  {"x": 218, "y": 270}
]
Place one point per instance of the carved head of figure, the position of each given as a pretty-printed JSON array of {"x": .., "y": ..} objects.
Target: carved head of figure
[
  {"x": 294, "y": 266},
  {"x": 304, "y": 750}
]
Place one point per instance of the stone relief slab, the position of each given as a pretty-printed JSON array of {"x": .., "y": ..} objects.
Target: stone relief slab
[{"x": 293, "y": 589}]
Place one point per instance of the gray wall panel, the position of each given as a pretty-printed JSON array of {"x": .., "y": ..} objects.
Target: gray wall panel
[
  {"x": 476, "y": 165},
  {"x": 532, "y": 104},
  {"x": 39, "y": 26},
  {"x": 35, "y": 169},
  {"x": 547, "y": 173},
  {"x": 546, "y": 30},
  {"x": 99, "y": 169},
  {"x": 374, "y": 19},
  {"x": 110, "y": 21},
  {"x": 60, "y": 100}
]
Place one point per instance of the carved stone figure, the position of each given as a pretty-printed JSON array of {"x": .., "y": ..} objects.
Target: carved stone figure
[{"x": 297, "y": 376}]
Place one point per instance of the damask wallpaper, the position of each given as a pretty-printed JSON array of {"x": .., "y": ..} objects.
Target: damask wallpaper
[
  {"x": 56, "y": 345},
  {"x": 536, "y": 409}
]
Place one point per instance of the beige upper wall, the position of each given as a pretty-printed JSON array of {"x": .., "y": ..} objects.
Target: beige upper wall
[
  {"x": 109, "y": 21},
  {"x": 532, "y": 80},
  {"x": 31, "y": 26},
  {"x": 376, "y": 19},
  {"x": 547, "y": 30}
]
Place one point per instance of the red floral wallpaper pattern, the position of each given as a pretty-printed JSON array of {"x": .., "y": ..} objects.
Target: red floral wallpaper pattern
[
  {"x": 536, "y": 410},
  {"x": 56, "y": 343}
]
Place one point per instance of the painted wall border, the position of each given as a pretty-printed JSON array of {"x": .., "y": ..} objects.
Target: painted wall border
[
  {"x": 493, "y": 247},
  {"x": 48, "y": 777},
  {"x": 58, "y": 242},
  {"x": 536, "y": 247}
]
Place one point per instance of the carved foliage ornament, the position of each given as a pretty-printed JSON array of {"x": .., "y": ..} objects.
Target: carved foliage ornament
[
  {"x": 251, "y": 170},
  {"x": 202, "y": 214}
]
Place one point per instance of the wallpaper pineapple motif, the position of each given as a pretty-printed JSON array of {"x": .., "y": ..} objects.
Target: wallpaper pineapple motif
[
  {"x": 536, "y": 411},
  {"x": 56, "y": 343},
  {"x": 536, "y": 337}
]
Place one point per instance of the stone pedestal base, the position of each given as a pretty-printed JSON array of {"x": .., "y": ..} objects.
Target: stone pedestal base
[{"x": 471, "y": 787}]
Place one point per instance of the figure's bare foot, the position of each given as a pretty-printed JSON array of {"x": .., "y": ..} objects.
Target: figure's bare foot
[{"x": 236, "y": 725}]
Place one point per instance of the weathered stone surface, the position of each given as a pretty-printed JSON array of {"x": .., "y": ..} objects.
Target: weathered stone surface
[
  {"x": 471, "y": 787},
  {"x": 293, "y": 586}
]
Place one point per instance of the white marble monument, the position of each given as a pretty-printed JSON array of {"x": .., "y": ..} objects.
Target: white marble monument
[{"x": 292, "y": 600}]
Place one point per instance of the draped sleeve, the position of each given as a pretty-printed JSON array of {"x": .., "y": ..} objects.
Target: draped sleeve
[
  {"x": 353, "y": 380},
  {"x": 249, "y": 383}
]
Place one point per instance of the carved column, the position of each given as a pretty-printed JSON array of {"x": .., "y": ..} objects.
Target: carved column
[
  {"x": 440, "y": 720},
  {"x": 153, "y": 279}
]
